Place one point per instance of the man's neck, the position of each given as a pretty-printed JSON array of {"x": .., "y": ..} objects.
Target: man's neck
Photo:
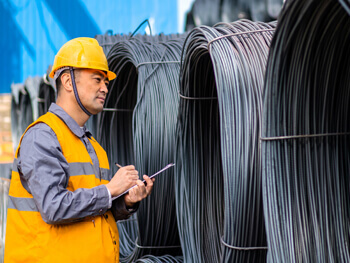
[{"x": 74, "y": 111}]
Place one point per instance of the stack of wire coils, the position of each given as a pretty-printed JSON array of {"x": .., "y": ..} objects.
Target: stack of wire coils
[
  {"x": 138, "y": 127},
  {"x": 210, "y": 12},
  {"x": 108, "y": 40},
  {"x": 25, "y": 106},
  {"x": 218, "y": 167},
  {"x": 306, "y": 134}
]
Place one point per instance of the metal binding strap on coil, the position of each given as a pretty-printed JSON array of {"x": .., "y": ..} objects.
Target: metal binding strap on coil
[
  {"x": 157, "y": 62},
  {"x": 197, "y": 98},
  {"x": 239, "y": 34},
  {"x": 288, "y": 137},
  {"x": 117, "y": 110},
  {"x": 242, "y": 248},
  {"x": 153, "y": 247}
]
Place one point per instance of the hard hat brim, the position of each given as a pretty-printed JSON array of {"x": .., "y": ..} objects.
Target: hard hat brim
[{"x": 110, "y": 74}]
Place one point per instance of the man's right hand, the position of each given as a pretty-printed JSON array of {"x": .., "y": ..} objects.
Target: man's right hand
[{"x": 125, "y": 178}]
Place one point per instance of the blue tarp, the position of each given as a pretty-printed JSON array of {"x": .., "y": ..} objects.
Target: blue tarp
[{"x": 32, "y": 31}]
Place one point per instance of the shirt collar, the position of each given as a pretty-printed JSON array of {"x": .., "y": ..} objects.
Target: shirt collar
[{"x": 69, "y": 121}]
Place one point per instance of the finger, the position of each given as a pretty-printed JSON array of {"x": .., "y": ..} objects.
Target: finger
[
  {"x": 149, "y": 181},
  {"x": 128, "y": 170},
  {"x": 132, "y": 192},
  {"x": 149, "y": 185},
  {"x": 132, "y": 196},
  {"x": 129, "y": 167},
  {"x": 132, "y": 176},
  {"x": 125, "y": 172},
  {"x": 133, "y": 172},
  {"x": 137, "y": 193},
  {"x": 141, "y": 189},
  {"x": 140, "y": 183}
]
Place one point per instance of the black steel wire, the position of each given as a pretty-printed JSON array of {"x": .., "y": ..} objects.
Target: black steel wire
[
  {"x": 18, "y": 125},
  {"x": 159, "y": 259},
  {"x": 24, "y": 106},
  {"x": 346, "y": 5},
  {"x": 218, "y": 177},
  {"x": 147, "y": 86},
  {"x": 306, "y": 176},
  {"x": 47, "y": 95},
  {"x": 107, "y": 40},
  {"x": 210, "y": 12}
]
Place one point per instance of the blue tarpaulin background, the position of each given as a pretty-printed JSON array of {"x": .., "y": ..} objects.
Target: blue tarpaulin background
[{"x": 32, "y": 31}]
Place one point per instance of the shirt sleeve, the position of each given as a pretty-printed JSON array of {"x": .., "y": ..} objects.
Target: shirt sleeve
[
  {"x": 44, "y": 173},
  {"x": 109, "y": 198},
  {"x": 120, "y": 211}
]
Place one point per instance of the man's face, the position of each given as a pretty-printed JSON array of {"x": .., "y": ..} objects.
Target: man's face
[{"x": 92, "y": 89}]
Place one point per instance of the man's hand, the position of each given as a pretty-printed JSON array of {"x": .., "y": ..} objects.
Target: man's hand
[
  {"x": 123, "y": 179},
  {"x": 141, "y": 191}
]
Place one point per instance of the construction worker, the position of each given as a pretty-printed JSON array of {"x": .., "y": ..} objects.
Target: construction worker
[{"x": 61, "y": 206}]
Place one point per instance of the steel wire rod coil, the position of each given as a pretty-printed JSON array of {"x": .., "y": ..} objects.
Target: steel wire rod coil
[
  {"x": 108, "y": 40},
  {"x": 141, "y": 131},
  {"x": 210, "y": 12},
  {"x": 159, "y": 259},
  {"x": 46, "y": 95},
  {"x": 305, "y": 134},
  {"x": 218, "y": 177},
  {"x": 24, "y": 106}
]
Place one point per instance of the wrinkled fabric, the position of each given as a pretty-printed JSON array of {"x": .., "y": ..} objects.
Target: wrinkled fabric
[{"x": 40, "y": 154}]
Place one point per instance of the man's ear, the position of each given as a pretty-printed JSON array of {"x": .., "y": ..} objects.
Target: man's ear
[{"x": 66, "y": 81}]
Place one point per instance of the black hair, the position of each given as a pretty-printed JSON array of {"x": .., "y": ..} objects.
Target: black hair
[{"x": 59, "y": 82}]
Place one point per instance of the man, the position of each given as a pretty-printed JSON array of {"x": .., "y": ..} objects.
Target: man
[{"x": 60, "y": 201}]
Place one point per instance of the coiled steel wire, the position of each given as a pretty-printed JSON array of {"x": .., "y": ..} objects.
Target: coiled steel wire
[
  {"x": 24, "y": 106},
  {"x": 19, "y": 100},
  {"x": 346, "y": 5},
  {"x": 29, "y": 101},
  {"x": 108, "y": 40},
  {"x": 210, "y": 12},
  {"x": 305, "y": 135},
  {"x": 159, "y": 259},
  {"x": 218, "y": 177},
  {"x": 138, "y": 127},
  {"x": 46, "y": 95}
]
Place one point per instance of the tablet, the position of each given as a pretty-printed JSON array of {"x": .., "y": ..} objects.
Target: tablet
[{"x": 153, "y": 175}]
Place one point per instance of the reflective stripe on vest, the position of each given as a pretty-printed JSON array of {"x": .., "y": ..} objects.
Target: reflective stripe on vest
[
  {"x": 77, "y": 169},
  {"x": 22, "y": 204}
]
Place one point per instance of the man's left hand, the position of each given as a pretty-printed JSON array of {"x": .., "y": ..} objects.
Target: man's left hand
[{"x": 139, "y": 192}]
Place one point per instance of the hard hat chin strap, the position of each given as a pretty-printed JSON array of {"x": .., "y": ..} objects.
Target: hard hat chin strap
[{"x": 76, "y": 93}]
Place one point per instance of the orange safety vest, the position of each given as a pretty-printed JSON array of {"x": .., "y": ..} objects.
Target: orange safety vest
[{"x": 30, "y": 239}]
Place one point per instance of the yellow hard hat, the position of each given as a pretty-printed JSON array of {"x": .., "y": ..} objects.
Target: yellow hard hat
[{"x": 82, "y": 52}]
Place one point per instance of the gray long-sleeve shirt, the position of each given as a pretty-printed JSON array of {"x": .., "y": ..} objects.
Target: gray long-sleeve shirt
[{"x": 44, "y": 173}]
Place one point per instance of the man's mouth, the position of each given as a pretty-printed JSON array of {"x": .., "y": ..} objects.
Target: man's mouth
[{"x": 101, "y": 98}]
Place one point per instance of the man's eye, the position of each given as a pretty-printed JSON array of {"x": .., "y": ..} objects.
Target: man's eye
[
  {"x": 98, "y": 80},
  {"x": 106, "y": 83}
]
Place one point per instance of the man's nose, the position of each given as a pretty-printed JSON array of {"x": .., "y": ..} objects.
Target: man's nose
[{"x": 104, "y": 88}]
